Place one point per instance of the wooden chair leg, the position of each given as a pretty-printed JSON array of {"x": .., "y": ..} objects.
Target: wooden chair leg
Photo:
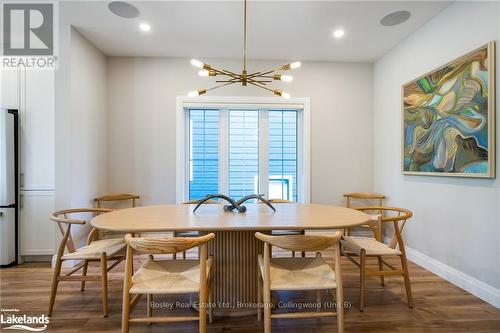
[
  {"x": 293, "y": 254},
  {"x": 174, "y": 255},
  {"x": 266, "y": 293},
  {"x": 84, "y": 273},
  {"x": 340, "y": 310},
  {"x": 340, "y": 288},
  {"x": 266, "y": 287},
  {"x": 184, "y": 255},
  {"x": 126, "y": 294},
  {"x": 303, "y": 254},
  {"x": 267, "y": 310},
  {"x": 149, "y": 308},
  {"x": 203, "y": 293},
  {"x": 380, "y": 268},
  {"x": 380, "y": 231},
  {"x": 406, "y": 276},
  {"x": 55, "y": 282},
  {"x": 362, "y": 277},
  {"x": 125, "y": 311},
  {"x": 104, "y": 281},
  {"x": 211, "y": 301},
  {"x": 202, "y": 309},
  {"x": 259, "y": 297}
]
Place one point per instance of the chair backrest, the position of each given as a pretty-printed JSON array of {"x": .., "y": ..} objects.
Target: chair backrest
[
  {"x": 156, "y": 245},
  {"x": 398, "y": 216},
  {"x": 365, "y": 197},
  {"x": 195, "y": 201},
  {"x": 164, "y": 246},
  {"x": 115, "y": 201},
  {"x": 302, "y": 243},
  {"x": 362, "y": 199},
  {"x": 117, "y": 198},
  {"x": 63, "y": 218}
]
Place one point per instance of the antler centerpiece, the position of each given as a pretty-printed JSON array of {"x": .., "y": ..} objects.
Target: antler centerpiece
[{"x": 234, "y": 204}]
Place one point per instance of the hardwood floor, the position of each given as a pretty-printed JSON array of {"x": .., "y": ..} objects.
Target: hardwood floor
[{"x": 438, "y": 305}]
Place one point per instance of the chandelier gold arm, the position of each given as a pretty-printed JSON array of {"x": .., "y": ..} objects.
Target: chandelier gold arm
[
  {"x": 261, "y": 73},
  {"x": 224, "y": 72},
  {"x": 235, "y": 80},
  {"x": 274, "y": 91},
  {"x": 260, "y": 81},
  {"x": 263, "y": 82},
  {"x": 231, "y": 74},
  {"x": 219, "y": 86}
]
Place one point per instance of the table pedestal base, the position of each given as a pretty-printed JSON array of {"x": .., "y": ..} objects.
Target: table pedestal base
[{"x": 235, "y": 272}]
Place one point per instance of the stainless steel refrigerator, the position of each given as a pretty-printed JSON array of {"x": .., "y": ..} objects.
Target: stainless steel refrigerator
[{"x": 9, "y": 166}]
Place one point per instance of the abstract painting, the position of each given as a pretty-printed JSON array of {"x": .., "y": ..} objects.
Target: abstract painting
[{"x": 448, "y": 118}]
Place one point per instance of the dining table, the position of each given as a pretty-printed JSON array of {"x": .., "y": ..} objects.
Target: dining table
[{"x": 234, "y": 248}]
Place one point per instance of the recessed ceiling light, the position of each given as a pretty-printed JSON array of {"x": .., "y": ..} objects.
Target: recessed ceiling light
[
  {"x": 395, "y": 18},
  {"x": 339, "y": 33},
  {"x": 123, "y": 9},
  {"x": 145, "y": 27}
]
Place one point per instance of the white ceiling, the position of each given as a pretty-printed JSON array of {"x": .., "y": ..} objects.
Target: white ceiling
[{"x": 277, "y": 30}]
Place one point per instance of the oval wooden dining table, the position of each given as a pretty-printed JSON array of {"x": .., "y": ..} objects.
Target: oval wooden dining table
[{"x": 235, "y": 247}]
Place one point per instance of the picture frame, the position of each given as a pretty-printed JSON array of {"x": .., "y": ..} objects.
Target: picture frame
[{"x": 448, "y": 120}]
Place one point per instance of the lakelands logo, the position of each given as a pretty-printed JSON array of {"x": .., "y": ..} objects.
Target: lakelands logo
[
  {"x": 15, "y": 321},
  {"x": 28, "y": 35}
]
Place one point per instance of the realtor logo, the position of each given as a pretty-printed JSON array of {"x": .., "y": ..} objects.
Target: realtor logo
[
  {"x": 28, "y": 29},
  {"x": 22, "y": 322}
]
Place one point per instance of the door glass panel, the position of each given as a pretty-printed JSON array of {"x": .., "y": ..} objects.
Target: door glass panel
[
  {"x": 204, "y": 153},
  {"x": 243, "y": 152},
  {"x": 282, "y": 155}
]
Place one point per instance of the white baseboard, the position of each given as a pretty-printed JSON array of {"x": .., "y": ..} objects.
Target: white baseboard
[
  {"x": 468, "y": 283},
  {"x": 35, "y": 258}
]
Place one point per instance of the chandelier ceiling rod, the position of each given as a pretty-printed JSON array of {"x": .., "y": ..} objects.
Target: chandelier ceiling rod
[
  {"x": 258, "y": 79},
  {"x": 245, "y": 38}
]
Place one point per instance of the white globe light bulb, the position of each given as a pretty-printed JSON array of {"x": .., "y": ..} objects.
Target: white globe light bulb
[{"x": 197, "y": 63}]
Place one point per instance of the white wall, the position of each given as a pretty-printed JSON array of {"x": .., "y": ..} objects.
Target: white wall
[
  {"x": 457, "y": 220},
  {"x": 63, "y": 114},
  {"x": 81, "y": 123},
  {"x": 89, "y": 121},
  {"x": 142, "y": 134}
]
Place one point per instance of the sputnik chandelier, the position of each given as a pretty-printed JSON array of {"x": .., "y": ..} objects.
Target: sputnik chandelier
[{"x": 258, "y": 79}]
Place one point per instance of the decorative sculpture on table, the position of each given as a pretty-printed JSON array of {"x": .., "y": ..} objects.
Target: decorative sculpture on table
[{"x": 233, "y": 203}]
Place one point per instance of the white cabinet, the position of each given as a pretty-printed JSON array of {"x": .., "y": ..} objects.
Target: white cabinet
[
  {"x": 37, "y": 131},
  {"x": 32, "y": 93},
  {"x": 9, "y": 89},
  {"x": 37, "y": 231}
]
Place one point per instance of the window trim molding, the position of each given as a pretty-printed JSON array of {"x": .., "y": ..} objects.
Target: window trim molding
[{"x": 225, "y": 102}]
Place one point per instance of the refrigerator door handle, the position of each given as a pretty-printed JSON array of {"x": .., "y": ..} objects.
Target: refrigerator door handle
[{"x": 9, "y": 206}]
